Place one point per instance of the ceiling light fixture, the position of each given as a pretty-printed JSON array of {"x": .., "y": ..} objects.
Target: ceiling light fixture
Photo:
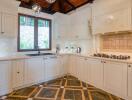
[
  {"x": 36, "y": 8},
  {"x": 50, "y": 1}
]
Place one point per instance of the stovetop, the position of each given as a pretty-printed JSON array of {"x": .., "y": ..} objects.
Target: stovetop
[{"x": 120, "y": 57}]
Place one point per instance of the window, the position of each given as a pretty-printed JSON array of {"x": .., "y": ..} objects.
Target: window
[{"x": 34, "y": 33}]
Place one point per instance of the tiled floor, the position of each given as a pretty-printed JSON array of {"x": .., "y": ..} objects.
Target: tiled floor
[{"x": 65, "y": 88}]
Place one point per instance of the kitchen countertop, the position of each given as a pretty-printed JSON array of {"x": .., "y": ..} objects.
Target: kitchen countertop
[
  {"x": 15, "y": 57},
  {"x": 106, "y": 59}
]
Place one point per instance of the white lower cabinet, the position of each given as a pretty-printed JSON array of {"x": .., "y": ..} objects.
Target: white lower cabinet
[
  {"x": 130, "y": 81},
  {"x": 73, "y": 64},
  {"x": 115, "y": 78},
  {"x": 35, "y": 69},
  {"x": 5, "y": 77},
  {"x": 82, "y": 69},
  {"x": 53, "y": 67},
  {"x": 18, "y": 67},
  {"x": 96, "y": 72}
]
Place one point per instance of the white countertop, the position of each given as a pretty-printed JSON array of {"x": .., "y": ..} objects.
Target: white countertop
[{"x": 15, "y": 57}]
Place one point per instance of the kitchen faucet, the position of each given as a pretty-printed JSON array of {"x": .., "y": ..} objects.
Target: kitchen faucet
[{"x": 38, "y": 50}]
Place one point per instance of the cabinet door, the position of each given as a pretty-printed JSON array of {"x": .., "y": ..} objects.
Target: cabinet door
[
  {"x": 18, "y": 73},
  {"x": 96, "y": 72},
  {"x": 9, "y": 25},
  {"x": 62, "y": 63},
  {"x": 82, "y": 69},
  {"x": 5, "y": 77},
  {"x": 0, "y": 23},
  {"x": 130, "y": 81},
  {"x": 115, "y": 78},
  {"x": 73, "y": 65},
  {"x": 51, "y": 68},
  {"x": 35, "y": 70}
]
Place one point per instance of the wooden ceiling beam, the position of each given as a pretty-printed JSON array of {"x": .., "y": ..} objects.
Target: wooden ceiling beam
[
  {"x": 88, "y": 1},
  {"x": 68, "y": 2},
  {"x": 61, "y": 5}
]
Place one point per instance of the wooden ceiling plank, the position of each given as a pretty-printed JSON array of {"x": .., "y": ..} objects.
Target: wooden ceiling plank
[
  {"x": 68, "y": 2},
  {"x": 61, "y": 5},
  {"x": 89, "y": 1}
]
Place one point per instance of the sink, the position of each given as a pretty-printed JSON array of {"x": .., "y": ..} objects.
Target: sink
[{"x": 41, "y": 54}]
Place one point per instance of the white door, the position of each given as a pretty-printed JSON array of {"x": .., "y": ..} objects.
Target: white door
[
  {"x": 130, "y": 81},
  {"x": 5, "y": 77},
  {"x": 35, "y": 70},
  {"x": 115, "y": 78},
  {"x": 51, "y": 68},
  {"x": 18, "y": 73},
  {"x": 9, "y": 25},
  {"x": 96, "y": 72}
]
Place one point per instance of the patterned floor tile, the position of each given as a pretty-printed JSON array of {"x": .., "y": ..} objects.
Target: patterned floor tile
[
  {"x": 23, "y": 93},
  {"x": 47, "y": 93},
  {"x": 63, "y": 88}
]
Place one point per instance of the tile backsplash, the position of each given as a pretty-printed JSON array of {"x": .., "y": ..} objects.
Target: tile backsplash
[{"x": 116, "y": 42}]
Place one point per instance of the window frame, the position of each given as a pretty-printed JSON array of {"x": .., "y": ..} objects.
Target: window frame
[{"x": 35, "y": 33}]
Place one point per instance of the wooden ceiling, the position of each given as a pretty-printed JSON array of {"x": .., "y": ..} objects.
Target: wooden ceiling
[{"x": 62, "y": 6}]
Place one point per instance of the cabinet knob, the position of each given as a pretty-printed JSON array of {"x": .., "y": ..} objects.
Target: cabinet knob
[
  {"x": 18, "y": 72},
  {"x": 129, "y": 66},
  {"x": 2, "y": 32}
]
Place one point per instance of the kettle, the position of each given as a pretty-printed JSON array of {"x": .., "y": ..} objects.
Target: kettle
[{"x": 79, "y": 50}]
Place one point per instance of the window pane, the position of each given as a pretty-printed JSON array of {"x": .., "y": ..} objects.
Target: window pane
[
  {"x": 26, "y": 32},
  {"x": 43, "y": 34}
]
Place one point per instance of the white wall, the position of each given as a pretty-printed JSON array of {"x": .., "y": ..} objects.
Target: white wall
[{"x": 78, "y": 18}]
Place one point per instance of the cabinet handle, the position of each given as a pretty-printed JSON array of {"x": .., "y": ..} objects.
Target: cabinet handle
[
  {"x": 129, "y": 66},
  {"x": 53, "y": 57},
  {"x": 2, "y": 32},
  {"x": 104, "y": 62},
  {"x": 18, "y": 72}
]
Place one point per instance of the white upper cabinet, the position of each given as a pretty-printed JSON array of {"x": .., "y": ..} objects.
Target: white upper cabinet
[
  {"x": 130, "y": 81},
  {"x": 5, "y": 77},
  {"x": 115, "y": 78},
  {"x": 8, "y": 25},
  {"x": 18, "y": 67},
  {"x": 112, "y": 16}
]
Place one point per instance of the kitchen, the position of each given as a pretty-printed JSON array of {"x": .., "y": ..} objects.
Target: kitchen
[{"x": 66, "y": 49}]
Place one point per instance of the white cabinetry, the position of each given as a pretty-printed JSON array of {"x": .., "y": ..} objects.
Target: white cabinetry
[
  {"x": 34, "y": 72},
  {"x": 5, "y": 77},
  {"x": 130, "y": 81},
  {"x": 96, "y": 72},
  {"x": 83, "y": 69},
  {"x": 73, "y": 64},
  {"x": 115, "y": 78},
  {"x": 18, "y": 67},
  {"x": 8, "y": 25},
  {"x": 53, "y": 67}
]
